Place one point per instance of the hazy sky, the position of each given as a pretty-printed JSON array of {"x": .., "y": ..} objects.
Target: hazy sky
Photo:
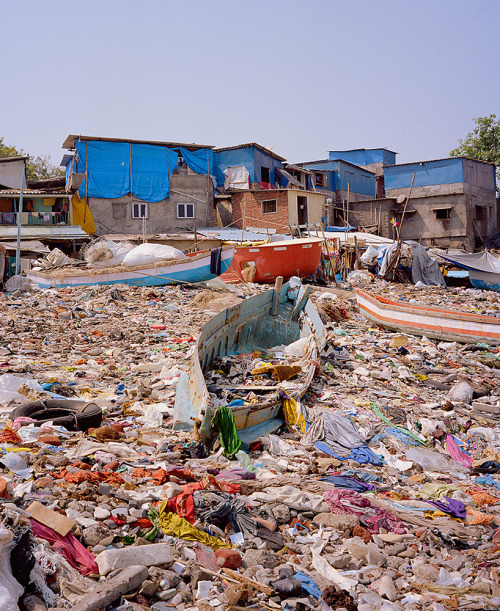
[{"x": 304, "y": 76}]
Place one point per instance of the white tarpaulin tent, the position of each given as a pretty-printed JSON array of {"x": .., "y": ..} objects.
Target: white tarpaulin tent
[{"x": 11, "y": 172}]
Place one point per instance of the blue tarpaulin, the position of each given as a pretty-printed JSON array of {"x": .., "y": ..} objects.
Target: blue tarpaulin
[
  {"x": 199, "y": 160},
  {"x": 152, "y": 167},
  {"x": 117, "y": 168}
]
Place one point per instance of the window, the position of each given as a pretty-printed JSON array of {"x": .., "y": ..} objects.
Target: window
[
  {"x": 185, "y": 211},
  {"x": 269, "y": 207},
  {"x": 320, "y": 180},
  {"x": 139, "y": 211},
  {"x": 442, "y": 213},
  {"x": 265, "y": 174},
  {"x": 480, "y": 213}
]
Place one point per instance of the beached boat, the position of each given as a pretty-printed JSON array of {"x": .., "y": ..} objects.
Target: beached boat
[
  {"x": 299, "y": 257},
  {"x": 483, "y": 268},
  {"x": 198, "y": 267},
  {"x": 431, "y": 321},
  {"x": 280, "y": 316}
]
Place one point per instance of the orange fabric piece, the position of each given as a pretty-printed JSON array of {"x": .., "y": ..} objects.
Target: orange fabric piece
[
  {"x": 9, "y": 436},
  {"x": 484, "y": 498},
  {"x": 475, "y": 517}
]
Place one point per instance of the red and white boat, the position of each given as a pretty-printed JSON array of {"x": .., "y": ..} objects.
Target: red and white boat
[
  {"x": 298, "y": 257},
  {"x": 431, "y": 321}
]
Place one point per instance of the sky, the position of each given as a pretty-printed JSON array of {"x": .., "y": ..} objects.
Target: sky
[{"x": 301, "y": 77}]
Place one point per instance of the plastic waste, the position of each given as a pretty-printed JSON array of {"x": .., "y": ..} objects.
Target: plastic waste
[
  {"x": 245, "y": 461},
  {"x": 20, "y": 283},
  {"x": 9, "y": 386},
  {"x": 368, "y": 552},
  {"x": 432, "y": 461},
  {"x": 288, "y": 587},
  {"x": 298, "y": 348},
  {"x": 10, "y": 588}
]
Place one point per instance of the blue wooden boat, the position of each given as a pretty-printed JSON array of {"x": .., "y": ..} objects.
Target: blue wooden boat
[
  {"x": 280, "y": 316},
  {"x": 483, "y": 268},
  {"x": 196, "y": 268}
]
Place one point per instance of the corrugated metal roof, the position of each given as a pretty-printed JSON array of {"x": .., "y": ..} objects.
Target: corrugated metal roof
[
  {"x": 442, "y": 159},
  {"x": 230, "y": 234},
  {"x": 69, "y": 143},
  {"x": 259, "y": 146},
  {"x": 333, "y": 160},
  {"x": 28, "y": 192},
  {"x": 44, "y": 232}
]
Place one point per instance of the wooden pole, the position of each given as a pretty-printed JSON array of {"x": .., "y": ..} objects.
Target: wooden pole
[{"x": 19, "y": 222}]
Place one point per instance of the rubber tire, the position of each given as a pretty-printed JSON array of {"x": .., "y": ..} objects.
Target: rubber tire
[{"x": 62, "y": 412}]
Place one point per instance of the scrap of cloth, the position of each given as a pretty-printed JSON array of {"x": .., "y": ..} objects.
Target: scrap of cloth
[
  {"x": 183, "y": 503},
  {"x": 338, "y": 481},
  {"x": 172, "y": 524},
  {"x": 338, "y": 432},
  {"x": 228, "y": 433},
  {"x": 361, "y": 455},
  {"x": 454, "y": 508},
  {"x": 221, "y": 509},
  {"x": 456, "y": 453},
  {"x": 371, "y": 517},
  {"x": 69, "y": 547}
]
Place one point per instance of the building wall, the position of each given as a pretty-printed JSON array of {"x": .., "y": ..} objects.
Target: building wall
[
  {"x": 372, "y": 214},
  {"x": 115, "y": 215},
  {"x": 440, "y": 172},
  {"x": 361, "y": 182},
  {"x": 479, "y": 174},
  {"x": 247, "y": 209},
  {"x": 315, "y": 207},
  {"x": 250, "y": 157}
]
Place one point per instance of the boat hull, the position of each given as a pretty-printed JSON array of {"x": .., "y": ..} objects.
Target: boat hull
[
  {"x": 434, "y": 322},
  {"x": 261, "y": 322},
  {"x": 485, "y": 280},
  {"x": 300, "y": 257},
  {"x": 193, "y": 269}
]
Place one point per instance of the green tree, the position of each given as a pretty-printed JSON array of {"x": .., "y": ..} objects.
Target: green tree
[
  {"x": 482, "y": 143},
  {"x": 37, "y": 168}
]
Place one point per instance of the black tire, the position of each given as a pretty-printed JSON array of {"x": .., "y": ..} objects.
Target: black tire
[{"x": 73, "y": 415}]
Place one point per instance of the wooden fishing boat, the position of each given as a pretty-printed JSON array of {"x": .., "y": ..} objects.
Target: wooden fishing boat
[
  {"x": 196, "y": 268},
  {"x": 431, "y": 321},
  {"x": 483, "y": 268},
  {"x": 280, "y": 316},
  {"x": 299, "y": 257}
]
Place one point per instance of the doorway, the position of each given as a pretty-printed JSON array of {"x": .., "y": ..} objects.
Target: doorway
[{"x": 301, "y": 210}]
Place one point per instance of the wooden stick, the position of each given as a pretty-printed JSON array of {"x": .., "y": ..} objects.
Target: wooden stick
[{"x": 249, "y": 582}]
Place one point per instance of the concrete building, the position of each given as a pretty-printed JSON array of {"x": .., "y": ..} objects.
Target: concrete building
[
  {"x": 452, "y": 203},
  {"x": 131, "y": 185},
  {"x": 276, "y": 208}
]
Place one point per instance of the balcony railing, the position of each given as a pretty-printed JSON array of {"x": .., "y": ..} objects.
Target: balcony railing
[{"x": 35, "y": 218}]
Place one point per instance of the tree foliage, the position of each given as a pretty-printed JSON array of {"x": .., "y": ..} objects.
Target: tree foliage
[
  {"x": 482, "y": 143},
  {"x": 37, "y": 168}
]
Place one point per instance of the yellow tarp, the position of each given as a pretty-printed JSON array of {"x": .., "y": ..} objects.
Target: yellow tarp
[{"x": 82, "y": 215}]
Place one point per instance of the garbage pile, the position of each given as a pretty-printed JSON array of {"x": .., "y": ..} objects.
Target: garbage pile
[{"x": 385, "y": 496}]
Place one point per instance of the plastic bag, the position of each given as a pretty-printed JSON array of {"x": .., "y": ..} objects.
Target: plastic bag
[
  {"x": 370, "y": 256},
  {"x": 146, "y": 254},
  {"x": 20, "y": 283},
  {"x": 432, "y": 461},
  {"x": 368, "y": 552},
  {"x": 10, "y": 588},
  {"x": 298, "y": 348},
  {"x": 9, "y": 385}
]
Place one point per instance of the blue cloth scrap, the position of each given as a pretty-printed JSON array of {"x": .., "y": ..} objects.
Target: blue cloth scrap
[
  {"x": 362, "y": 475},
  {"x": 487, "y": 480},
  {"x": 339, "y": 481},
  {"x": 402, "y": 436},
  {"x": 362, "y": 455},
  {"x": 308, "y": 584},
  {"x": 200, "y": 161}
]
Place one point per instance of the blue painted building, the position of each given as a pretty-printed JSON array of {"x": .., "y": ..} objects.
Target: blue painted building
[
  {"x": 261, "y": 163},
  {"x": 336, "y": 176},
  {"x": 366, "y": 157},
  {"x": 452, "y": 203},
  {"x": 440, "y": 172}
]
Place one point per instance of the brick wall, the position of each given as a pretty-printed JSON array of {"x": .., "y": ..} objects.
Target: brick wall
[{"x": 249, "y": 204}]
